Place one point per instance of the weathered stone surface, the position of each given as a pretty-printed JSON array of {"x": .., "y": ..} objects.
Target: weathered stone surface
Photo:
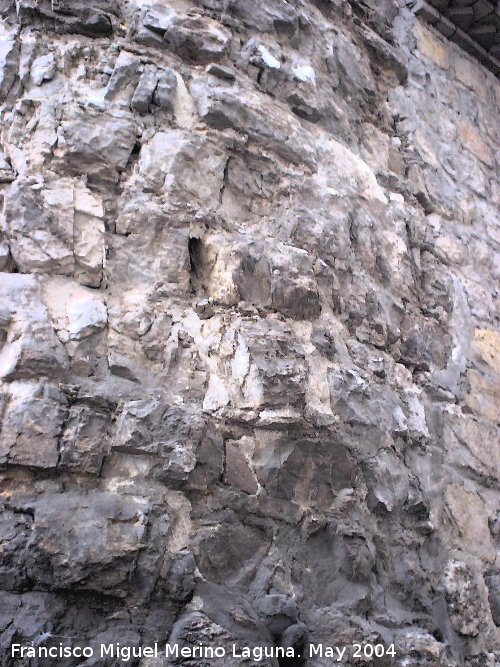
[
  {"x": 96, "y": 145},
  {"x": 30, "y": 347},
  {"x": 39, "y": 225},
  {"x": 483, "y": 397},
  {"x": 195, "y": 37},
  {"x": 84, "y": 439},
  {"x": 473, "y": 443},
  {"x": 472, "y": 140},
  {"x": 43, "y": 69},
  {"x": 463, "y": 599},
  {"x": 143, "y": 96},
  {"x": 432, "y": 46},
  {"x": 179, "y": 163},
  {"x": 468, "y": 73},
  {"x": 488, "y": 344},
  {"x": 249, "y": 112},
  {"x": 165, "y": 91},
  {"x": 493, "y": 583},
  {"x": 55, "y": 229},
  {"x": 103, "y": 550},
  {"x": 237, "y": 468},
  {"x": 249, "y": 348},
  {"x": 467, "y": 511},
  {"x": 32, "y": 424},
  {"x": 9, "y": 57}
]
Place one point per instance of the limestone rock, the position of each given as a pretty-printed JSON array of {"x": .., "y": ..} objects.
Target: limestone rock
[
  {"x": 196, "y": 37},
  {"x": 97, "y": 145},
  {"x": 9, "y": 55},
  {"x": 56, "y": 228},
  {"x": 165, "y": 91},
  {"x": 84, "y": 440},
  {"x": 467, "y": 511},
  {"x": 249, "y": 112},
  {"x": 143, "y": 95},
  {"x": 38, "y": 223},
  {"x": 43, "y": 69},
  {"x": 30, "y": 347},
  {"x": 463, "y": 598},
  {"x": 249, "y": 348},
  {"x": 33, "y": 413},
  {"x": 103, "y": 551}
]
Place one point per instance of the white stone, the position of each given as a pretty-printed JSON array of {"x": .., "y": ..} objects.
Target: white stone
[
  {"x": 217, "y": 395},
  {"x": 304, "y": 73},
  {"x": 43, "y": 69},
  {"x": 76, "y": 311},
  {"x": 268, "y": 58},
  {"x": 345, "y": 173}
]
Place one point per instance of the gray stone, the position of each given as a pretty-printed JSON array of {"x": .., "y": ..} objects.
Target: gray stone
[
  {"x": 493, "y": 583},
  {"x": 30, "y": 348},
  {"x": 249, "y": 112},
  {"x": 143, "y": 95},
  {"x": 9, "y": 57},
  {"x": 196, "y": 38},
  {"x": 181, "y": 579},
  {"x": 124, "y": 77},
  {"x": 164, "y": 94},
  {"x": 103, "y": 551},
  {"x": 28, "y": 407},
  {"x": 96, "y": 144},
  {"x": 38, "y": 223},
  {"x": 249, "y": 347}
]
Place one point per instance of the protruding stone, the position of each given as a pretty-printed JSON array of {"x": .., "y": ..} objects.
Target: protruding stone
[{"x": 43, "y": 69}]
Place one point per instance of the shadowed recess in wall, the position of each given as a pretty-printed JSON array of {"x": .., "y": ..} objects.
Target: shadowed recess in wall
[{"x": 472, "y": 24}]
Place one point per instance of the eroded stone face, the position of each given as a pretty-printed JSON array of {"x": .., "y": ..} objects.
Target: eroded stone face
[
  {"x": 104, "y": 535},
  {"x": 249, "y": 347}
]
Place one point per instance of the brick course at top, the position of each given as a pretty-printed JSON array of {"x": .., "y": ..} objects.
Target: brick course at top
[{"x": 473, "y": 24}]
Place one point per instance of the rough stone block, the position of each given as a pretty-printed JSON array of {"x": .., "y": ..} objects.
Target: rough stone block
[
  {"x": 197, "y": 38},
  {"x": 9, "y": 57},
  {"x": 472, "y": 140},
  {"x": 43, "y": 69},
  {"x": 470, "y": 74},
  {"x": 38, "y": 224},
  {"x": 76, "y": 311},
  {"x": 468, "y": 512},
  {"x": 463, "y": 598},
  {"x": 432, "y": 46},
  {"x": 250, "y": 112},
  {"x": 84, "y": 439},
  {"x": 88, "y": 546},
  {"x": 184, "y": 165},
  {"x": 484, "y": 395},
  {"x": 32, "y": 425},
  {"x": 473, "y": 443},
  {"x": 30, "y": 346},
  {"x": 237, "y": 468},
  {"x": 88, "y": 237},
  {"x": 97, "y": 144},
  {"x": 488, "y": 344},
  {"x": 55, "y": 228}
]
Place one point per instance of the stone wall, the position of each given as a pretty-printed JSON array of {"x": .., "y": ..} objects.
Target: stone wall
[{"x": 250, "y": 331}]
